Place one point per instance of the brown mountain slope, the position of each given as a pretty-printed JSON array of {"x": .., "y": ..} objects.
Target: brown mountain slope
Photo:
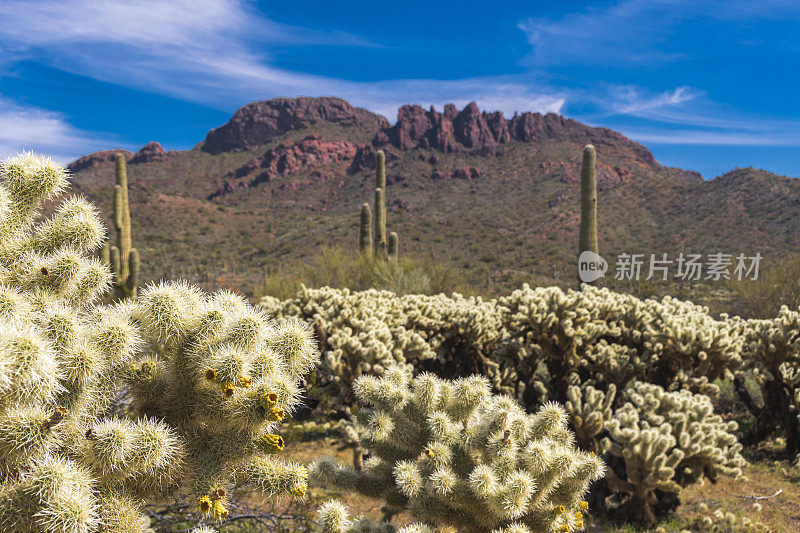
[{"x": 482, "y": 192}]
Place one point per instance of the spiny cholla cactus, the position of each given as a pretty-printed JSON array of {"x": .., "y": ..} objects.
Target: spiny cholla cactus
[
  {"x": 452, "y": 454},
  {"x": 615, "y": 338},
  {"x": 666, "y": 440},
  {"x": 589, "y": 409},
  {"x": 209, "y": 375},
  {"x": 772, "y": 355}
]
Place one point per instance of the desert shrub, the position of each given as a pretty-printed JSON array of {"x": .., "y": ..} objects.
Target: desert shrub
[
  {"x": 775, "y": 287},
  {"x": 345, "y": 269}
]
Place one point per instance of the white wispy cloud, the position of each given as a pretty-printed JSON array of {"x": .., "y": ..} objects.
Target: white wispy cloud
[
  {"x": 629, "y": 100},
  {"x": 644, "y": 31},
  {"x": 714, "y": 138},
  {"x": 43, "y": 131},
  {"x": 208, "y": 52},
  {"x": 217, "y": 53}
]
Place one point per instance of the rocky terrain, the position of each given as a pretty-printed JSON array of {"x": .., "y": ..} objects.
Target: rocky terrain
[{"x": 490, "y": 195}]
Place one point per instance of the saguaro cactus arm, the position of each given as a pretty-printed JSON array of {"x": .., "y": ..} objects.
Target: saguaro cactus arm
[
  {"x": 393, "y": 247},
  {"x": 365, "y": 235}
]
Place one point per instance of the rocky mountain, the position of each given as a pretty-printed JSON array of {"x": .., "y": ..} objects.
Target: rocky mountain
[{"x": 491, "y": 195}]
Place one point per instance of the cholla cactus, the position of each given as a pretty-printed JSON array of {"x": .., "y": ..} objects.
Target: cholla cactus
[
  {"x": 615, "y": 338},
  {"x": 589, "y": 409},
  {"x": 772, "y": 355},
  {"x": 210, "y": 378},
  {"x": 453, "y": 455},
  {"x": 666, "y": 440}
]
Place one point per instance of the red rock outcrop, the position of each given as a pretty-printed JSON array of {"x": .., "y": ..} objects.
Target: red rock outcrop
[
  {"x": 286, "y": 159},
  {"x": 476, "y": 132},
  {"x": 260, "y": 122}
]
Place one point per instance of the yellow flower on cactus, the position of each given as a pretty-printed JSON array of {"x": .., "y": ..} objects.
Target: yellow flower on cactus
[
  {"x": 211, "y": 375},
  {"x": 583, "y": 505},
  {"x": 299, "y": 490},
  {"x": 245, "y": 381},
  {"x": 271, "y": 443},
  {"x": 565, "y": 527},
  {"x": 269, "y": 400},
  {"x": 430, "y": 453},
  {"x": 579, "y": 524},
  {"x": 204, "y": 504},
  {"x": 228, "y": 390},
  {"x": 560, "y": 509}
]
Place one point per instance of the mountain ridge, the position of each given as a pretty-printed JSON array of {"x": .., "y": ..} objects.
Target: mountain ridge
[{"x": 302, "y": 167}]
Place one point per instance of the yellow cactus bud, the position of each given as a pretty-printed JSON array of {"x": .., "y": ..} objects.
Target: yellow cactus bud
[
  {"x": 228, "y": 390},
  {"x": 245, "y": 381},
  {"x": 271, "y": 443},
  {"x": 299, "y": 490},
  {"x": 211, "y": 375}
]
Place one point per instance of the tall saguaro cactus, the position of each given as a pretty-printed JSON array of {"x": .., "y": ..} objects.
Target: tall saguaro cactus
[
  {"x": 123, "y": 258},
  {"x": 588, "y": 230},
  {"x": 365, "y": 235},
  {"x": 379, "y": 241}
]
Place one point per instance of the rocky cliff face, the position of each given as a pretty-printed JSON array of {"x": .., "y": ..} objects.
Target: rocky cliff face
[
  {"x": 261, "y": 122},
  {"x": 468, "y": 131},
  {"x": 473, "y": 131}
]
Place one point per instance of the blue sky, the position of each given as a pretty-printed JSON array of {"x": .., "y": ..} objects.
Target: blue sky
[{"x": 706, "y": 86}]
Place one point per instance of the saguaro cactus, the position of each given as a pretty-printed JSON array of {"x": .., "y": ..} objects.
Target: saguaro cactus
[
  {"x": 379, "y": 242},
  {"x": 365, "y": 236},
  {"x": 393, "y": 247},
  {"x": 588, "y": 230},
  {"x": 123, "y": 258}
]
